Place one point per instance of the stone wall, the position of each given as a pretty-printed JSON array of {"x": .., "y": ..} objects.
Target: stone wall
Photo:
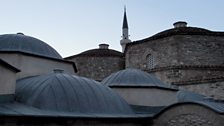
[
  {"x": 189, "y": 115},
  {"x": 180, "y": 59},
  {"x": 97, "y": 68},
  {"x": 177, "y": 50},
  {"x": 213, "y": 90},
  {"x": 183, "y": 74}
]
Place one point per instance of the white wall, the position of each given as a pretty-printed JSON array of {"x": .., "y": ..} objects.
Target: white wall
[
  {"x": 7, "y": 81},
  {"x": 147, "y": 96},
  {"x": 30, "y": 65}
]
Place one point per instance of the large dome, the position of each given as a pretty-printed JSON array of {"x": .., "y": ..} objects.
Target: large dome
[
  {"x": 68, "y": 93},
  {"x": 180, "y": 31},
  {"x": 26, "y": 44}
]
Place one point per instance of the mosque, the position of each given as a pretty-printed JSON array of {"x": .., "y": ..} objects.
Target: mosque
[{"x": 175, "y": 77}]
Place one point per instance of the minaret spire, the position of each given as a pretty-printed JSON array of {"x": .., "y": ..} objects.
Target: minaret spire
[
  {"x": 125, "y": 22},
  {"x": 125, "y": 36}
]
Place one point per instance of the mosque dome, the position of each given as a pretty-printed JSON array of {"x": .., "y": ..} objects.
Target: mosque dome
[
  {"x": 133, "y": 78},
  {"x": 180, "y": 28},
  {"x": 26, "y": 44},
  {"x": 69, "y": 93},
  {"x": 102, "y": 51}
]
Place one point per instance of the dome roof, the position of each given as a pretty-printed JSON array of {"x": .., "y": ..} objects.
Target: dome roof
[
  {"x": 134, "y": 78},
  {"x": 180, "y": 31},
  {"x": 183, "y": 31},
  {"x": 69, "y": 93},
  {"x": 101, "y": 53},
  {"x": 26, "y": 44}
]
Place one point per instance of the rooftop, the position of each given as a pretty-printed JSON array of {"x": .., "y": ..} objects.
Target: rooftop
[{"x": 180, "y": 28}]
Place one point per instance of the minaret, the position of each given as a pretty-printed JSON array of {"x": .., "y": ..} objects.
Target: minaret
[{"x": 125, "y": 36}]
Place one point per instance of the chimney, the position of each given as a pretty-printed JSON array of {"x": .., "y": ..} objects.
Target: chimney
[
  {"x": 180, "y": 24},
  {"x": 103, "y": 46}
]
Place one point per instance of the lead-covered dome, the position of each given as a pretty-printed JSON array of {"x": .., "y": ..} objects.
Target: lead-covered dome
[
  {"x": 26, "y": 44},
  {"x": 102, "y": 51},
  {"x": 69, "y": 93},
  {"x": 133, "y": 78}
]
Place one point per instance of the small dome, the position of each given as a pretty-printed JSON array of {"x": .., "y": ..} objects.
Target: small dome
[
  {"x": 69, "y": 93},
  {"x": 132, "y": 77},
  {"x": 26, "y": 44}
]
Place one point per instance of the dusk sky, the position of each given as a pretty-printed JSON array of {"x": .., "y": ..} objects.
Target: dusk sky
[{"x": 74, "y": 26}]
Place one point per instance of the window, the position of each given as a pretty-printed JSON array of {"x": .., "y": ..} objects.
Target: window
[{"x": 150, "y": 61}]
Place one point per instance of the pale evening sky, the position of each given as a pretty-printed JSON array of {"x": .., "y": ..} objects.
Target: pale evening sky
[{"x": 74, "y": 26}]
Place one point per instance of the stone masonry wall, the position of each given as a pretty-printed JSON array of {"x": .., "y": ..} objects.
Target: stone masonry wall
[
  {"x": 180, "y": 58},
  {"x": 214, "y": 90},
  {"x": 189, "y": 115},
  {"x": 97, "y": 68},
  {"x": 177, "y": 50},
  {"x": 182, "y": 75}
]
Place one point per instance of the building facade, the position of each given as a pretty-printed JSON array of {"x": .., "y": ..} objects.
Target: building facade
[
  {"x": 189, "y": 57},
  {"x": 185, "y": 56}
]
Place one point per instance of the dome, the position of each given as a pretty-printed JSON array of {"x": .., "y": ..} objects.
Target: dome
[
  {"x": 26, "y": 44},
  {"x": 132, "y": 77},
  {"x": 69, "y": 93},
  {"x": 180, "y": 31},
  {"x": 183, "y": 31},
  {"x": 101, "y": 53}
]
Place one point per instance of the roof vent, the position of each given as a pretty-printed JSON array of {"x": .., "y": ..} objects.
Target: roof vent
[
  {"x": 58, "y": 71},
  {"x": 103, "y": 46},
  {"x": 20, "y": 33},
  {"x": 180, "y": 24}
]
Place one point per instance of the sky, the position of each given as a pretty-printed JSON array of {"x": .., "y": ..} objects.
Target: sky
[{"x": 74, "y": 26}]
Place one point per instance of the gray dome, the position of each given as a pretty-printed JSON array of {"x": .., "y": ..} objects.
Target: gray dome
[
  {"x": 26, "y": 44},
  {"x": 68, "y": 93},
  {"x": 132, "y": 77},
  {"x": 101, "y": 53}
]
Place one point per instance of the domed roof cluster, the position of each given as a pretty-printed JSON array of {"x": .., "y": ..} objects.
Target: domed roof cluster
[
  {"x": 69, "y": 93},
  {"x": 133, "y": 78},
  {"x": 26, "y": 44}
]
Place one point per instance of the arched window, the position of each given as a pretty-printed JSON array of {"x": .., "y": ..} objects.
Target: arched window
[{"x": 150, "y": 61}]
